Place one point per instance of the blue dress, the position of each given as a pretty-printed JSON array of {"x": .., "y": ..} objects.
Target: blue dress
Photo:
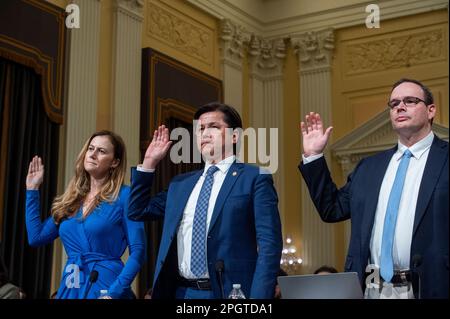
[{"x": 94, "y": 243}]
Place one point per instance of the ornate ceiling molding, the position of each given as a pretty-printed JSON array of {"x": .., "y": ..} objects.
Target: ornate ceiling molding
[
  {"x": 132, "y": 8},
  {"x": 280, "y": 25}
]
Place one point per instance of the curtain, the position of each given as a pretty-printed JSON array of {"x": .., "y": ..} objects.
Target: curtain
[{"x": 26, "y": 131}]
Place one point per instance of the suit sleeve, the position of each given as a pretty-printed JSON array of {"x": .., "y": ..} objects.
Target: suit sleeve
[
  {"x": 142, "y": 206},
  {"x": 135, "y": 236},
  {"x": 268, "y": 237},
  {"x": 333, "y": 204},
  {"x": 39, "y": 233}
]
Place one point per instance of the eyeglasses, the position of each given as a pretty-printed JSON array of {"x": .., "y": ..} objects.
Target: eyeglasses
[{"x": 409, "y": 101}]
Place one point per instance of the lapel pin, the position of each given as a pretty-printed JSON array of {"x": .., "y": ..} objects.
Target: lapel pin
[{"x": 234, "y": 173}]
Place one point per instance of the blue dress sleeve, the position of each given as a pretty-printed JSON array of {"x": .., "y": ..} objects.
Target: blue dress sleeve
[
  {"x": 136, "y": 240},
  {"x": 39, "y": 233}
]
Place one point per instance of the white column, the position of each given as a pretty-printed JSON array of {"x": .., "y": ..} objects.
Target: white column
[
  {"x": 266, "y": 101},
  {"x": 232, "y": 40},
  {"x": 81, "y": 111},
  {"x": 314, "y": 51},
  {"x": 126, "y": 80},
  {"x": 126, "y": 75}
]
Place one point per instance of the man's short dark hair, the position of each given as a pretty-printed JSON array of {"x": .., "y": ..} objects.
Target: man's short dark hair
[
  {"x": 230, "y": 116},
  {"x": 426, "y": 91},
  {"x": 325, "y": 268}
]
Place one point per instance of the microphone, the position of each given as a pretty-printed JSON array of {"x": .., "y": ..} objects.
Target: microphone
[
  {"x": 93, "y": 276},
  {"x": 417, "y": 261},
  {"x": 220, "y": 266}
]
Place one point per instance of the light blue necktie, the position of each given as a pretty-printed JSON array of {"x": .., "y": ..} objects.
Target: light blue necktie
[
  {"x": 390, "y": 220},
  {"x": 198, "y": 246}
]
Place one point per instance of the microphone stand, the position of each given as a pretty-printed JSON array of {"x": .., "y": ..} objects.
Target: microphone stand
[
  {"x": 93, "y": 276},
  {"x": 219, "y": 269},
  {"x": 417, "y": 261}
]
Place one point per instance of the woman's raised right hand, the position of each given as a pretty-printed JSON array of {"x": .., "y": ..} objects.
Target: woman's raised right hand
[{"x": 35, "y": 174}]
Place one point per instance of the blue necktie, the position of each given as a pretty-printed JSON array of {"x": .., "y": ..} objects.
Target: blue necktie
[
  {"x": 198, "y": 248},
  {"x": 390, "y": 220}
]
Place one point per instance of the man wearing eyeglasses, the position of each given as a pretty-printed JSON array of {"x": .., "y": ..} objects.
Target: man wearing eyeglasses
[{"x": 397, "y": 200}]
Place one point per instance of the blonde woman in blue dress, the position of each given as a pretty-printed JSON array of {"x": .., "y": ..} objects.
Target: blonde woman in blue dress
[{"x": 91, "y": 219}]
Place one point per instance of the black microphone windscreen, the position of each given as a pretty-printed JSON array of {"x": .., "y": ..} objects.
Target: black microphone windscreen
[
  {"x": 220, "y": 265},
  {"x": 417, "y": 260},
  {"x": 93, "y": 276}
]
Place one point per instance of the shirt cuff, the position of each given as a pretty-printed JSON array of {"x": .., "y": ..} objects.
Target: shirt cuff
[
  {"x": 145, "y": 170},
  {"x": 312, "y": 158}
]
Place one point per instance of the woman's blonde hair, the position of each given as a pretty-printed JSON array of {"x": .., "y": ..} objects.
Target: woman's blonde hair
[{"x": 68, "y": 203}]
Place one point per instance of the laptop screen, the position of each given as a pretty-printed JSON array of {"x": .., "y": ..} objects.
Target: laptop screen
[{"x": 344, "y": 285}]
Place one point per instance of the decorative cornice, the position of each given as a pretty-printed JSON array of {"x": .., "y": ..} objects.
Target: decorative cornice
[
  {"x": 132, "y": 8},
  {"x": 233, "y": 38},
  {"x": 314, "y": 49},
  {"x": 132, "y": 4},
  {"x": 396, "y": 52},
  {"x": 338, "y": 17}
]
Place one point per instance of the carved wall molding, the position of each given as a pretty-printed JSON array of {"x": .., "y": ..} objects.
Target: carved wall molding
[
  {"x": 194, "y": 40},
  {"x": 234, "y": 40},
  {"x": 266, "y": 57},
  {"x": 396, "y": 52},
  {"x": 314, "y": 49},
  {"x": 132, "y": 8}
]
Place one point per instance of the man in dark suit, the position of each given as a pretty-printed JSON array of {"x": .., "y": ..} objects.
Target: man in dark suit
[
  {"x": 397, "y": 200},
  {"x": 221, "y": 224}
]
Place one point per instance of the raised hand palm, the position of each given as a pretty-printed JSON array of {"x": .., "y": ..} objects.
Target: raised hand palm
[
  {"x": 314, "y": 138},
  {"x": 314, "y": 141},
  {"x": 155, "y": 150},
  {"x": 35, "y": 174},
  {"x": 158, "y": 147}
]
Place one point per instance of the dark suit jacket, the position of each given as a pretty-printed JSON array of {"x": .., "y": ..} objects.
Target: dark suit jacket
[
  {"x": 358, "y": 200},
  {"x": 244, "y": 232}
]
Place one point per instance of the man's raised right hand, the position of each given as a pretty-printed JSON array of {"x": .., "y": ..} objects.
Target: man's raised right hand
[
  {"x": 314, "y": 139},
  {"x": 158, "y": 148}
]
